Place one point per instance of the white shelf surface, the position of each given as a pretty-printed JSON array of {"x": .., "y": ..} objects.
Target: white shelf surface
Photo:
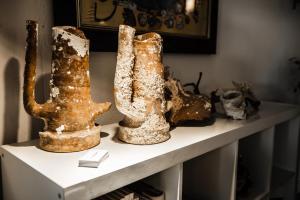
[{"x": 128, "y": 163}]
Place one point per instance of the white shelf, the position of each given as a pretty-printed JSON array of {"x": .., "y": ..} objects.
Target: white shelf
[
  {"x": 54, "y": 175},
  {"x": 212, "y": 175},
  {"x": 257, "y": 152},
  {"x": 285, "y": 159}
]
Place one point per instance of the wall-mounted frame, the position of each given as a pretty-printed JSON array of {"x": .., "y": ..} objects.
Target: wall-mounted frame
[{"x": 187, "y": 26}]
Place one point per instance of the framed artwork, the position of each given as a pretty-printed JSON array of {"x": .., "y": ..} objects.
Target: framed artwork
[{"x": 187, "y": 26}]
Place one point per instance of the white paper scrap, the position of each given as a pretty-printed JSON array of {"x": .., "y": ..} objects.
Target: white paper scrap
[{"x": 93, "y": 158}]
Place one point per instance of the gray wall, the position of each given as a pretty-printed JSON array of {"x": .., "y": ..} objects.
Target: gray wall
[{"x": 255, "y": 40}]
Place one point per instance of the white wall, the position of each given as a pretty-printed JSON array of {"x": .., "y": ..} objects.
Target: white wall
[
  {"x": 255, "y": 40},
  {"x": 15, "y": 124}
]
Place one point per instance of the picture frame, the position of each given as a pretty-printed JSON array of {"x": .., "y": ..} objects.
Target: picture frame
[{"x": 99, "y": 19}]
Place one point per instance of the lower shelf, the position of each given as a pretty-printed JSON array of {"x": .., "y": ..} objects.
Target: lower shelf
[
  {"x": 255, "y": 166},
  {"x": 255, "y": 195},
  {"x": 280, "y": 178},
  {"x": 136, "y": 191}
]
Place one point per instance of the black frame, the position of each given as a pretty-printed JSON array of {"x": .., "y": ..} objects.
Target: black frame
[{"x": 65, "y": 13}]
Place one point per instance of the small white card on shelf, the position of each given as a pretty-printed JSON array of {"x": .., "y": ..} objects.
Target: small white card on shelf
[{"x": 93, "y": 158}]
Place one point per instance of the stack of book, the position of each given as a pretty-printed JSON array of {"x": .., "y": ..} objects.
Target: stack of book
[{"x": 135, "y": 191}]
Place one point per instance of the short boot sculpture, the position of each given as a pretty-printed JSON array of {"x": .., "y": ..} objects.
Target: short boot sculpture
[
  {"x": 139, "y": 88},
  {"x": 70, "y": 113},
  {"x": 187, "y": 108}
]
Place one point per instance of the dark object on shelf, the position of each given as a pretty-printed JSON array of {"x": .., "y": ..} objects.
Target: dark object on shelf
[
  {"x": 192, "y": 109},
  {"x": 178, "y": 38}
]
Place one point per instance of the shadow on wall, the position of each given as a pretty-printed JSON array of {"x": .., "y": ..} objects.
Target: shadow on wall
[
  {"x": 12, "y": 100},
  {"x": 41, "y": 90}
]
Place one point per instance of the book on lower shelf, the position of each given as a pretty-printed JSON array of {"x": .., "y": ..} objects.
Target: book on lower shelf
[{"x": 135, "y": 191}]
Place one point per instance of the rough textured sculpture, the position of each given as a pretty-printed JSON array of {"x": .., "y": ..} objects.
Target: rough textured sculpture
[
  {"x": 234, "y": 104},
  {"x": 139, "y": 88},
  {"x": 70, "y": 113},
  {"x": 186, "y": 108},
  {"x": 238, "y": 102}
]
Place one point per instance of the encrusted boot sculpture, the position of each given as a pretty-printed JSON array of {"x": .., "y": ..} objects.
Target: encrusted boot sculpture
[
  {"x": 187, "y": 108},
  {"x": 70, "y": 113},
  {"x": 238, "y": 102},
  {"x": 234, "y": 104},
  {"x": 139, "y": 88}
]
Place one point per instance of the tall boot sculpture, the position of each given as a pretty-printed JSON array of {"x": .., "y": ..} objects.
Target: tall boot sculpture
[
  {"x": 139, "y": 88},
  {"x": 70, "y": 113}
]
